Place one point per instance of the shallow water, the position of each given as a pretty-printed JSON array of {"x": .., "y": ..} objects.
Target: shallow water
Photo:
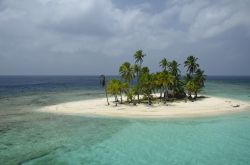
[
  {"x": 229, "y": 87},
  {"x": 30, "y": 137},
  {"x": 222, "y": 140}
]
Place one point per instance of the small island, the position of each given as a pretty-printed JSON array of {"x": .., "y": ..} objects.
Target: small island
[{"x": 140, "y": 93}]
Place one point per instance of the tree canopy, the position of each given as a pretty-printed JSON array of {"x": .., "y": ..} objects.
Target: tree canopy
[{"x": 168, "y": 82}]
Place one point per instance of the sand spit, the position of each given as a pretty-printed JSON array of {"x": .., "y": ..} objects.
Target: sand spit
[{"x": 208, "y": 106}]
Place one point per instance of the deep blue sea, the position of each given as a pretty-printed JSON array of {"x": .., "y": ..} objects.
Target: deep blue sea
[{"x": 31, "y": 137}]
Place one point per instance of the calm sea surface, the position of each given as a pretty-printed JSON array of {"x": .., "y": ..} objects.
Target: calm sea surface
[{"x": 30, "y": 137}]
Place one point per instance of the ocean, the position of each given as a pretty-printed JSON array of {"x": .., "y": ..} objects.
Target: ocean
[{"x": 31, "y": 137}]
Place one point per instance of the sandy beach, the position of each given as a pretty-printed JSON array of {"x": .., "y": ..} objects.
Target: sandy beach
[{"x": 208, "y": 106}]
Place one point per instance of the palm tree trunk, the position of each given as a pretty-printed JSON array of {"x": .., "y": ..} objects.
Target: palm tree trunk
[
  {"x": 149, "y": 100},
  {"x": 138, "y": 79},
  {"x": 160, "y": 94},
  {"x": 116, "y": 100},
  {"x": 165, "y": 95},
  {"x": 137, "y": 74},
  {"x": 121, "y": 98},
  {"x": 189, "y": 94},
  {"x": 133, "y": 101},
  {"x": 174, "y": 93},
  {"x": 106, "y": 95}
]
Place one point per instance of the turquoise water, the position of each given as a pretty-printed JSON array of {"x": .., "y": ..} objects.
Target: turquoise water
[
  {"x": 30, "y": 137},
  {"x": 229, "y": 87}
]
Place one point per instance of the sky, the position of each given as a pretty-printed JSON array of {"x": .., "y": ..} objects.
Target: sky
[{"x": 93, "y": 37}]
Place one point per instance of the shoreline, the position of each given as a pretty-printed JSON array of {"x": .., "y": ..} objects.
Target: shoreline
[{"x": 208, "y": 106}]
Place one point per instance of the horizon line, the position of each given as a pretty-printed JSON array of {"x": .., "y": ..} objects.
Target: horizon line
[{"x": 96, "y": 75}]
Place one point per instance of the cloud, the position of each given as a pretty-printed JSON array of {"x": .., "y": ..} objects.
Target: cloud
[
  {"x": 213, "y": 19},
  {"x": 69, "y": 31}
]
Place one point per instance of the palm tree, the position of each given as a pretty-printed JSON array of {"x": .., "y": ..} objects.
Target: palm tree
[
  {"x": 164, "y": 64},
  {"x": 199, "y": 79},
  {"x": 167, "y": 80},
  {"x": 145, "y": 70},
  {"x": 191, "y": 64},
  {"x": 131, "y": 95},
  {"x": 175, "y": 71},
  {"x": 147, "y": 85},
  {"x": 174, "y": 68},
  {"x": 158, "y": 82},
  {"x": 136, "y": 90},
  {"x": 138, "y": 56},
  {"x": 188, "y": 78},
  {"x": 136, "y": 71},
  {"x": 123, "y": 88},
  {"x": 126, "y": 72},
  {"x": 103, "y": 84},
  {"x": 191, "y": 87},
  {"x": 114, "y": 89}
]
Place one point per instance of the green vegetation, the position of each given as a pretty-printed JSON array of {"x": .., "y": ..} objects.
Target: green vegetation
[
  {"x": 138, "y": 84},
  {"x": 114, "y": 88},
  {"x": 195, "y": 77},
  {"x": 103, "y": 84}
]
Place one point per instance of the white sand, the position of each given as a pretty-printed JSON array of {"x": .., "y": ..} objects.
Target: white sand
[{"x": 203, "y": 107}]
